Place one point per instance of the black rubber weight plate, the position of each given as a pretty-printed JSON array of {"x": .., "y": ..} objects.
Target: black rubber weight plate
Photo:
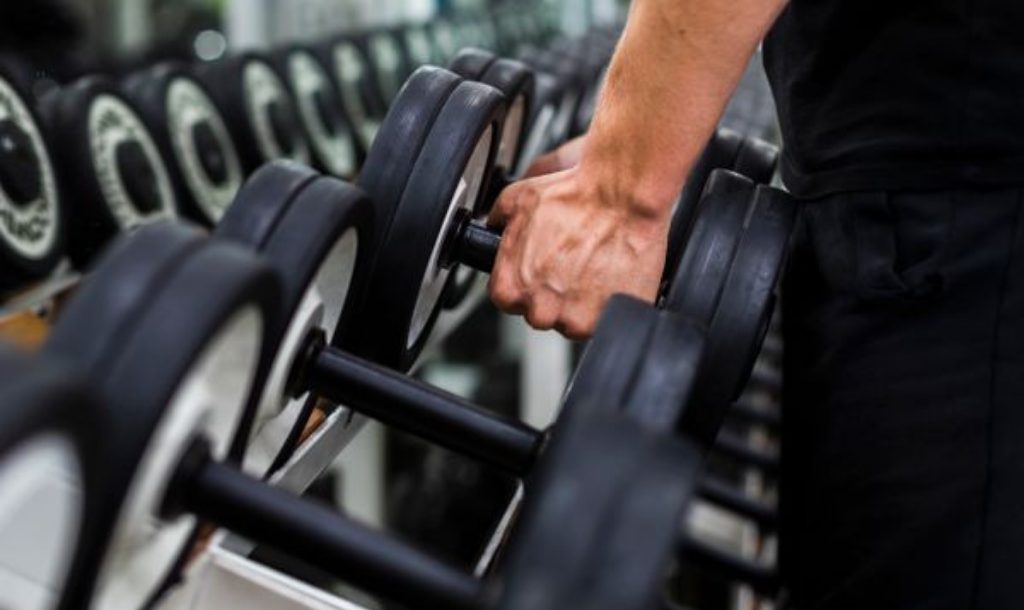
[
  {"x": 744, "y": 311},
  {"x": 515, "y": 80},
  {"x": 197, "y": 297},
  {"x": 404, "y": 252},
  {"x": 697, "y": 285},
  {"x": 106, "y": 306},
  {"x": 756, "y": 160},
  {"x": 115, "y": 149},
  {"x": 608, "y": 367},
  {"x": 471, "y": 63},
  {"x": 400, "y": 140},
  {"x": 252, "y": 217},
  {"x": 720, "y": 152},
  {"x": 666, "y": 374},
  {"x": 32, "y": 241},
  {"x": 599, "y": 529},
  {"x": 45, "y": 412}
]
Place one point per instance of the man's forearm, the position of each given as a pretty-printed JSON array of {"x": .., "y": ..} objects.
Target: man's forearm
[{"x": 668, "y": 84}]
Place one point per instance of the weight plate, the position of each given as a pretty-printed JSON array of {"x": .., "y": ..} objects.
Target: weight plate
[
  {"x": 401, "y": 137},
  {"x": 744, "y": 311},
  {"x": 606, "y": 371},
  {"x": 516, "y": 82},
  {"x": 251, "y": 219},
  {"x": 599, "y": 529},
  {"x": 471, "y": 63},
  {"x": 257, "y": 108},
  {"x": 109, "y": 160},
  {"x": 757, "y": 160},
  {"x": 407, "y": 281},
  {"x": 48, "y": 480},
  {"x": 721, "y": 152},
  {"x": 205, "y": 326},
  {"x": 191, "y": 133},
  {"x": 316, "y": 247},
  {"x": 352, "y": 76},
  {"x": 696, "y": 288},
  {"x": 32, "y": 223},
  {"x": 666, "y": 373},
  {"x": 105, "y": 304},
  {"x": 321, "y": 113}
]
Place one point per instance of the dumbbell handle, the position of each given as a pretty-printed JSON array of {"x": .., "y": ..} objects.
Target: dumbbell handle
[
  {"x": 416, "y": 407},
  {"x": 370, "y": 560},
  {"x": 472, "y": 243}
]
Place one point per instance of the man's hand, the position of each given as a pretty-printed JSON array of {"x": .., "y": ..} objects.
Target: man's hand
[
  {"x": 564, "y": 157},
  {"x": 568, "y": 247}
]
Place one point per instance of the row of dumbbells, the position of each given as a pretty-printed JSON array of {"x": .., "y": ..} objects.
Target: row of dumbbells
[
  {"x": 103, "y": 154},
  {"x": 202, "y": 352}
]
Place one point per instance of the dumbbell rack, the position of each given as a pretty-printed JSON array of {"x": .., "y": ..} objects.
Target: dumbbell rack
[{"x": 224, "y": 577}]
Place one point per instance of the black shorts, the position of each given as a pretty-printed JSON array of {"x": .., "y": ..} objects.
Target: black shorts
[{"x": 903, "y": 449}]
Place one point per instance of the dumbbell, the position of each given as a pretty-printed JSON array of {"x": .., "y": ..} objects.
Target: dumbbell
[
  {"x": 108, "y": 160},
  {"x": 312, "y": 231},
  {"x": 48, "y": 479},
  {"x": 258, "y": 109},
  {"x": 192, "y": 137},
  {"x": 32, "y": 218},
  {"x": 354, "y": 78},
  {"x": 171, "y": 329},
  {"x": 329, "y": 130}
]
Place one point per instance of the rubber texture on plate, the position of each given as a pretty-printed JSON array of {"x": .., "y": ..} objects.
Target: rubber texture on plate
[
  {"x": 471, "y": 63},
  {"x": 720, "y": 153},
  {"x": 110, "y": 301},
  {"x": 666, "y": 374},
  {"x": 744, "y": 312},
  {"x": 398, "y": 144},
  {"x": 262, "y": 200},
  {"x": 607, "y": 369},
  {"x": 697, "y": 285}
]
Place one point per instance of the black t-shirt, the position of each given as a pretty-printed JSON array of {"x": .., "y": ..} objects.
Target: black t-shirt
[{"x": 899, "y": 94}]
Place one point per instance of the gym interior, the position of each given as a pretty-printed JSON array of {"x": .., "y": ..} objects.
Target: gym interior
[{"x": 249, "y": 356}]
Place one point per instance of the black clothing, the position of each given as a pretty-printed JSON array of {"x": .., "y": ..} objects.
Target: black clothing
[
  {"x": 903, "y": 448},
  {"x": 899, "y": 94}
]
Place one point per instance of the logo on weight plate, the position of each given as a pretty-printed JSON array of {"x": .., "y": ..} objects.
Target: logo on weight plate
[
  {"x": 312, "y": 85},
  {"x": 30, "y": 228},
  {"x": 113, "y": 124},
  {"x": 189, "y": 110},
  {"x": 263, "y": 89}
]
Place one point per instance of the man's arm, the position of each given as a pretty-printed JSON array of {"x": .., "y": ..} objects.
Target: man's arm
[{"x": 574, "y": 238}]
